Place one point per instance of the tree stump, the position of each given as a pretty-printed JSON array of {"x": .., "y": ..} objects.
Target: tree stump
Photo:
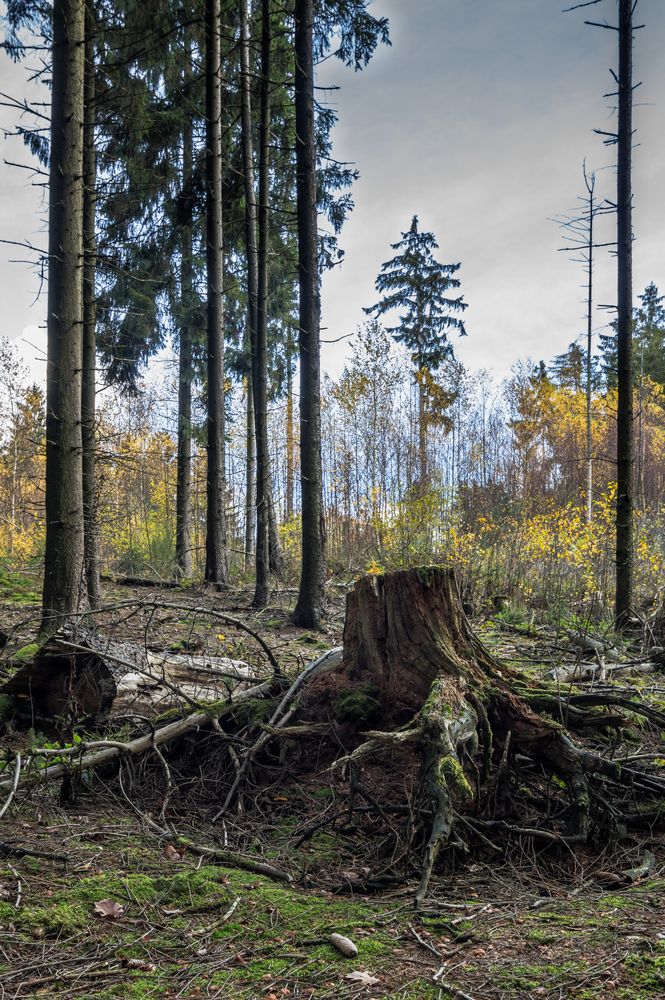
[{"x": 406, "y": 636}]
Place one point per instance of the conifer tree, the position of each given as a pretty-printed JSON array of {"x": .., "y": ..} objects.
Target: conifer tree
[{"x": 416, "y": 284}]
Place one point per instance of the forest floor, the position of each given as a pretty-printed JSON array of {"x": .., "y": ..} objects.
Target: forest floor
[{"x": 127, "y": 916}]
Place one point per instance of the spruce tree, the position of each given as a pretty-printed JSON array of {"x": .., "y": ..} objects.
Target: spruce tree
[{"x": 416, "y": 285}]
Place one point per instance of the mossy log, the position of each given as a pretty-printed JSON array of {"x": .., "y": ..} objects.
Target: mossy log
[
  {"x": 83, "y": 676},
  {"x": 406, "y": 636}
]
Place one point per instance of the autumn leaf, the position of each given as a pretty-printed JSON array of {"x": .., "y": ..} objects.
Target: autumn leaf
[
  {"x": 173, "y": 853},
  {"x": 108, "y": 909},
  {"x": 364, "y": 978}
]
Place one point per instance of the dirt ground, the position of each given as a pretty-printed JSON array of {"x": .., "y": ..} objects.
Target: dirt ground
[{"x": 123, "y": 914}]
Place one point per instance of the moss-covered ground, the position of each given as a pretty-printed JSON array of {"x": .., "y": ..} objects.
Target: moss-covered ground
[
  {"x": 528, "y": 923},
  {"x": 189, "y": 929}
]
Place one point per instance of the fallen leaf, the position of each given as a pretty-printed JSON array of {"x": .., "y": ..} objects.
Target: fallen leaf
[
  {"x": 364, "y": 978},
  {"x": 108, "y": 909},
  {"x": 173, "y": 853}
]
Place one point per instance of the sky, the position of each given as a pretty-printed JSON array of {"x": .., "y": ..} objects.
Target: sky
[{"x": 477, "y": 118}]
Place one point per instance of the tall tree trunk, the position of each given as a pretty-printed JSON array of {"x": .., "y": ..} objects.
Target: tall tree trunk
[
  {"x": 216, "y": 569},
  {"x": 88, "y": 385},
  {"x": 185, "y": 374},
  {"x": 422, "y": 433},
  {"x": 641, "y": 437},
  {"x": 257, "y": 268},
  {"x": 250, "y": 472},
  {"x": 309, "y": 606},
  {"x": 590, "y": 183},
  {"x": 252, "y": 276},
  {"x": 63, "y": 560},
  {"x": 290, "y": 436},
  {"x": 624, "y": 517}
]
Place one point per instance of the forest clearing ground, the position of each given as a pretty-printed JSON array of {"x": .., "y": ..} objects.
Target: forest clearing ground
[{"x": 528, "y": 924}]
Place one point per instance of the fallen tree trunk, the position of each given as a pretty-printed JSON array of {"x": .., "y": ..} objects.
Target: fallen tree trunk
[
  {"x": 85, "y": 756},
  {"x": 81, "y": 675}
]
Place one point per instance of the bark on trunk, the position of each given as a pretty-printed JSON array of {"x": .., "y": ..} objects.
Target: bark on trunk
[
  {"x": 290, "y": 436},
  {"x": 216, "y": 570},
  {"x": 624, "y": 515},
  {"x": 251, "y": 251},
  {"x": 88, "y": 386},
  {"x": 185, "y": 374},
  {"x": 63, "y": 559},
  {"x": 82, "y": 676},
  {"x": 250, "y": 474},
  {"x": 309, "y": 606}
]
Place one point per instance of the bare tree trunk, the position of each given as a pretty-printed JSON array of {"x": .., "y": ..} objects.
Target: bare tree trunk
[
  {"x": 88, "y": 380},
  {"x": 260, "y": 345},
  {"x": 252, "y": 277},
  {"x": 290, "y": 436},
  {"x": 624, "y": 516},
  {"x": 641, "y": 437},
  {"x": 422, "y": 434},
  {"x": 183, "y": 541},
  {"x": 216, "y": 569},
  {"x": 250, "y": 473},
  {"x": 590, "y": 183},
  {"x": 63, "y": 560},
  {"x": 309, "y": 606}
]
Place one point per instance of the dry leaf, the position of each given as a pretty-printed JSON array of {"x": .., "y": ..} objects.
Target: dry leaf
[
  {"x": 109, "y": 909},
  {"x": 364, "y": 978},
  {"x": 344, "y": 945},
  {"x": 173, "y": 853}
]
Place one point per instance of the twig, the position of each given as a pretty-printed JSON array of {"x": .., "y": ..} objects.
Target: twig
[
  {"x": 12, "y": 851},
  {"x": 12, "y": 793},
  {"x": 201, "y": 931},
  {"x": 453, "y": 990},
  {"x": 425, "y": 944},
  {"x": 19, "y": 887}
]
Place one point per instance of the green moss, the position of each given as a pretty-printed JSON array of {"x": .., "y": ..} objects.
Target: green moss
[
  {"x": 358, "y": 707},
  {"x": 452, "y": 774},
  {"x": 647, "y": 972},
  {"x": 137, "y": 887},
  {"x": 421, "y": 990},
  {"x": 17, "y": 589},
  {"x": 57, "y": 918},
  {"x": 26, "y": 653},
  {"x": 542, "y": 937}
]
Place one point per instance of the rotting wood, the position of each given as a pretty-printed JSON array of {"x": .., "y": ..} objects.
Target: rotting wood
[{"x": 88, "y": 677}]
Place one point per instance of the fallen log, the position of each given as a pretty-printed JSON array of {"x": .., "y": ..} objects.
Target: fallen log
[
  {"x": 85, "y": 757},
  {"x": 82, "y": 675},
  {"x": 142, "y": 581}
]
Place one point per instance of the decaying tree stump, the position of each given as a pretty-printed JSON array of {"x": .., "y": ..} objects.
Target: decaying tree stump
[
  {"x": 407, "y": 637},
  {"x": 86, "y": 677}
]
